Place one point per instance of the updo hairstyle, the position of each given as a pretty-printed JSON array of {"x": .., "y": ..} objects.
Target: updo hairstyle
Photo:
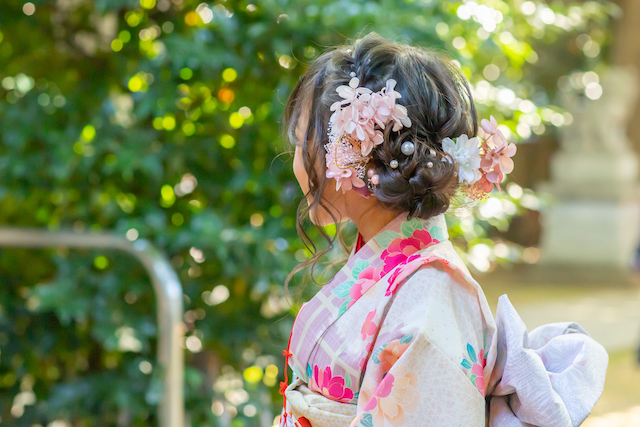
[{"x": 438, "y": 101}]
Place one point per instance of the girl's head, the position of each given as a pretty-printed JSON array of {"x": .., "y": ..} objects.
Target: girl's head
[
  {"x": 438, "y": 102},
  {"x": 439, "y": 105}
]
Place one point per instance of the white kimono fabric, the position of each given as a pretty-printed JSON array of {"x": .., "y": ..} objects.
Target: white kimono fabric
[{"x": 403, "y": 336}]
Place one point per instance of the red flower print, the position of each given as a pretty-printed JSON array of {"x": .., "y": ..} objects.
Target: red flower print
[
  {"x": 368, "y": 327},
  {"x": 402, "y": 248},
  {"x": 330, "y": 386}
]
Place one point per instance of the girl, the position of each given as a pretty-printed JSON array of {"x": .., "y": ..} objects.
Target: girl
[{"x": 385, "y": 136}]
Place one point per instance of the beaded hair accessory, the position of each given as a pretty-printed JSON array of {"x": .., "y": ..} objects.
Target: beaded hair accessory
[{"x": 355, "y": 128}]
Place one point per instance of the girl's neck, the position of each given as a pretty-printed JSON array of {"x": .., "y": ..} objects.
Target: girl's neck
[{"x": 370, "y": 222}]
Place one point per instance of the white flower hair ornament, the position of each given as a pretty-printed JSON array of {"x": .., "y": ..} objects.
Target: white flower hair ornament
[
  {"x": 355, "y": 128},
  {"x": 482, "y": 162}
]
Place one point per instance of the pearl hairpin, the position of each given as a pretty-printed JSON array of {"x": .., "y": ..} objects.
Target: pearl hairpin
[{"x": 407, "y": 148}]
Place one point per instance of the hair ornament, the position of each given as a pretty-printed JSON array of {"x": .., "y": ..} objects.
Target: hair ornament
[
  {"x": 356, "y": 127},
  {"x": 408, "y": 148},
  {"x": 394, "y": 164},
  {"x": 481, "y": 161}
]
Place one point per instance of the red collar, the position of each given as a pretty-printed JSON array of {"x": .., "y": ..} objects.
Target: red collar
[{"x": 360, "y": 242}]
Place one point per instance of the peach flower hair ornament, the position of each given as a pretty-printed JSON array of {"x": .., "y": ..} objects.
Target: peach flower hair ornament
[
  {"x": 355, "y": 129},
  {"x": 482, "y": 161}
]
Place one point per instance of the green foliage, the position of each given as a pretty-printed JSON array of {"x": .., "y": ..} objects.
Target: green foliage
[{"x": 160, "y": 119}]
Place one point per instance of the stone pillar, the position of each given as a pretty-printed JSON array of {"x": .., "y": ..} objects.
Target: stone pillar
[{"x": 594, "y": 216}]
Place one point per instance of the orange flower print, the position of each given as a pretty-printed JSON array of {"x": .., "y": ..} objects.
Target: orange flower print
[
  {"x": 391, "y": 353},
  {"x": 395, "y": 396}
]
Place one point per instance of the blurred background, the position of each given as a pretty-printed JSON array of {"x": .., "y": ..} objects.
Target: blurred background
[{"x": 161, "y": 119}]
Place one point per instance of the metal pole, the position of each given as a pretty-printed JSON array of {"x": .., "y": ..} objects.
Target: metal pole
[{"x": 167, "y": 289}]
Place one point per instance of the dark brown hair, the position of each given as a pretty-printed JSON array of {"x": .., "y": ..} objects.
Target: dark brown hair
[{"x": 438, "y": 101}]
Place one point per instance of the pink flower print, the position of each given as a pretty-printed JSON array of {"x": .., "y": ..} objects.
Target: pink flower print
[
  {"x": 482, "y": 357},
  {"x": 355, "y": 293},
  {"x": 479, "y": 380},
  {"x": 476, "y": 365},
  {"x": 364, "y": 360},
  {"x": 393, "y": 283},
  {"x": 366, "y": 279},
  {"x": 383, "y": 390},
  {"x": 368, "y": 327},
  {"x": 478, "y": 370},
  {"x": 402, "y": 248},
  {"x": 330, "y": 386},
  {"x": 345, "y": 178},
  {"x": 394, "y": 398}
]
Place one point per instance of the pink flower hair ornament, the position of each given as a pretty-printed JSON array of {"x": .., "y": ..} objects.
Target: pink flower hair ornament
[
  {"x": 355, "y": 129},
  {"x": 482, "y": 162}
]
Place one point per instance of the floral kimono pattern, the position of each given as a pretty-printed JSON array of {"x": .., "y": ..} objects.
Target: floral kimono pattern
[{"x": 402, "y": 334}]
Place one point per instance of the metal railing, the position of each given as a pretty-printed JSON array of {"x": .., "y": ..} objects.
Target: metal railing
[{"x": 168, "y": 292}]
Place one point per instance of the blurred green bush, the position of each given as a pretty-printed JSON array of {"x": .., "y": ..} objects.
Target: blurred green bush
[{"x": 160, "y": 119}]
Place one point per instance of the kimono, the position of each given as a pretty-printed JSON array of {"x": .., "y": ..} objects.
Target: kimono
[{"x": 403, "y": 336}]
